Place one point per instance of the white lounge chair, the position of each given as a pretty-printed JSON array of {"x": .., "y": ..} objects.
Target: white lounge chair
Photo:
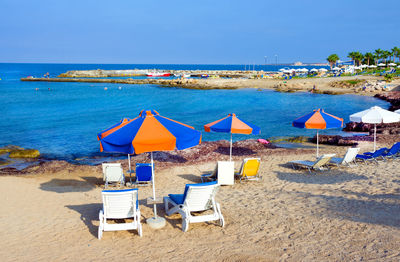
[
  {"x": 349, "y": 157},
  {"x": 223, "y": 173},
  {"x": 113, "y": 173},
  {"x": 249, "y": 169},
  {"x": 120, "y": 204},
  {"x": 319, "y": 164},
  {"x": 197, "y": 197}
]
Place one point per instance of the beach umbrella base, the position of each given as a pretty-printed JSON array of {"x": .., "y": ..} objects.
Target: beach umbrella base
[{"x": 156, "y": 222}]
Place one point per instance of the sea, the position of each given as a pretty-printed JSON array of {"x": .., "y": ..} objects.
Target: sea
[{"x": 62, "y": 120}]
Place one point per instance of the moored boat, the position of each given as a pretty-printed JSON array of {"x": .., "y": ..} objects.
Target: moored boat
[{"x": 158, "y": 74}]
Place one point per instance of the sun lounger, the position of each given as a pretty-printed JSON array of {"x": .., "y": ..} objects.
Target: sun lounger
[
  {"x": 143, "y": 174},
  {"x": 249, "y": 169},
  {"x": 223, "y": 173},
  {"x": 119, "y": 204},
  {"x": 320, "y": 164},
  {"x": 372, "y": 156},
  {"x": 393, "y": 152},
  {"x": 196, "y": 198},
  {"x": 113, "y": 173},
  {"x": 349, "y": 157}
]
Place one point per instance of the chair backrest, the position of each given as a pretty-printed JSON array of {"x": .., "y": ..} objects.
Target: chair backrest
[
  {"x": 350, "y": 155},
  {"x": 198, "y": 197},
  {"x": 120, "y": 203},
  {"x": 379, "y": 152},
  {"x": 394, "y": 149},
  {"x": 143, "y": 172},
  {"x": 105, "y": 166},
  {"x": 323, "y": 160},
  {"x": 250, "y": 167},
  {"x": 114, "y": 173}
]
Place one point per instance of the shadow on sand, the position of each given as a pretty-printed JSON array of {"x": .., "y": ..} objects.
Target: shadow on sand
[
  {"x": 192, "y": 178},
  {"x": 380, "y": 212},
  {"x": 318, "y": 177},
  {"x": 72, "y": 185}
]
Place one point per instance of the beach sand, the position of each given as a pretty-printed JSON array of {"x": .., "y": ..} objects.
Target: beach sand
[{"x": 347, "y": 214}]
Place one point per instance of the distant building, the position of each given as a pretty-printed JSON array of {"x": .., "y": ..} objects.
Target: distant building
[{"x": 298, "y": 63}]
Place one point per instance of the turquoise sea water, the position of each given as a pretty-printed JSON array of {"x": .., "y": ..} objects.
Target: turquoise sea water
[{"x": 63, "y": 122}]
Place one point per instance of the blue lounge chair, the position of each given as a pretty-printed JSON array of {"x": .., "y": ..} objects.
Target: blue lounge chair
[
  {"x": 369, "y": 156},
  {"x": 393, "y": 152},
  {"x": 143, "y": 174}
]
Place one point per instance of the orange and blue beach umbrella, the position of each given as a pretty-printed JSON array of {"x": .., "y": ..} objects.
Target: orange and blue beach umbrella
[
  {"x": 148, "y": 132},
  {"x": 232, "y": 124},
  {"x": 318, "y": 119}
]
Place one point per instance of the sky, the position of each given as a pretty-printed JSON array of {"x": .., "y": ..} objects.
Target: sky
[{"x": 193, "y": 32}]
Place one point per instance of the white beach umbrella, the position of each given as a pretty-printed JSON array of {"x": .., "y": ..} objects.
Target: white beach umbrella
[
  {"x": 357, "y": 68},
  {"x": 323, "y": 69},
  {"x": 392, "y": 64},
  {"x": 381, "y": 64},
  {"x": 336, "y": 68},
  {"x": 363, "y": 66},
  {"x": 375, "y": 115},
  {"x": 314, "y": 70},
  {"x": 398, "y": 66},
  {"x": 304, "y": 70},
  {"x": 397, "y": 111},
  {"x": 372, "y": 66},
  {"x": 282, "y": 69}
]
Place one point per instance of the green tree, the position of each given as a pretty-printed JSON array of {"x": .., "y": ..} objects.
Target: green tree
[
  {"x": 385, "y": 55},
  {"x": 378, "y": 54},
  {"x": 396, "y": 53},
  {"x": 369, "y": 58},
  {"x": 356, "y": 56},
  {"x": 332, "y": 59}
]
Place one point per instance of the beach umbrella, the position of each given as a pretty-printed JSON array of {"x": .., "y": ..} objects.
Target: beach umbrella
[
  {"x": 398, "y": 66},
  {"x": 381, "y": 64},
  {"x": 372, "y": 66},
  {"x": 363, "y": 66},
  {"x": 336, "y": 68},
  {"x": 323, "y": 69},
  {"x": 375, "y": 115},
  {"x": 148, "y": 132},
  {"x": 314, "y": 70},
  {"x": 318, "y": 119},
  {"x": 397, "y": 111},
  {"x": 392, "y": 64},
  {"x": 232, "y": 124}
]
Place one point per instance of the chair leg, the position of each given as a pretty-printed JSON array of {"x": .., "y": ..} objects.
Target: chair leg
[{"x": 100, "y": 232}]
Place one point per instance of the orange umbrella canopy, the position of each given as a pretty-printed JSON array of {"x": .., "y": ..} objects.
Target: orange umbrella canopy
[{"x": 148, "y": 132}]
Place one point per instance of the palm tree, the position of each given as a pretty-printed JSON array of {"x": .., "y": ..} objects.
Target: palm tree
[
  {"x": 385, "y": 55},
  {"x": 396, "y": 53},
  {"x": 369, "y": 58},
  {"x": 378, "y": 54},
  {"x": 332, "y": 59},
  {"x": 356, "y": 56}
]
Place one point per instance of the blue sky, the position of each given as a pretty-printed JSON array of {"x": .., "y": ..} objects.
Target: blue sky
[{"x": 193, "y": 32}]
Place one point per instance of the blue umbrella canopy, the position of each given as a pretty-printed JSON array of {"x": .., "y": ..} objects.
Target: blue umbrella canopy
[
  {"x": 318, "y": 119},
  {"x": 148, "y": 132}
]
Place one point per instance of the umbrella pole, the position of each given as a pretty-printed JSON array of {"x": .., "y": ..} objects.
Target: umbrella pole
[
  {"x": 154, "y": 187},
  {"x": 374, "y": 137},
  {"x": 317, "y": 145},
  {"x": 130, "y": 170},
  {"x": 230, "y": 152}
]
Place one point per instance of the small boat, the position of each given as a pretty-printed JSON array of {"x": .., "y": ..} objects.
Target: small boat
[
  {"x": 204, "y": 76},
  {"x": 158, "y": 74}
]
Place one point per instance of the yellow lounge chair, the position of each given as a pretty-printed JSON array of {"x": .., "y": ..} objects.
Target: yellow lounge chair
[{"x": 249, "y": 169}]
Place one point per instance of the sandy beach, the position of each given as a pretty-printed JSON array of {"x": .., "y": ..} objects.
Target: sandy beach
[{"x": 347, "y": 214}]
